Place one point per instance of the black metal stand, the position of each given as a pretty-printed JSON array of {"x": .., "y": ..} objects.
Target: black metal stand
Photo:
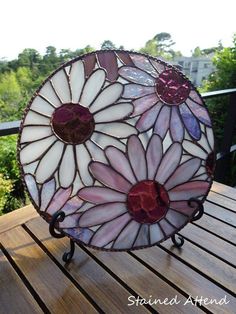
[
  {"x": 192, "y": 202},
  {"x": 59, "y": 217}
]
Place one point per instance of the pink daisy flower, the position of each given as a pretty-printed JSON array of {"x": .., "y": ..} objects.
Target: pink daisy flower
[
  {"x": 143, "y": 197},
  {"x": 163, "y": 99}
]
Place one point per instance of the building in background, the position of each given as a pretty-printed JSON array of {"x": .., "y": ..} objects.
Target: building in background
[{"x": 197, "y": 69}]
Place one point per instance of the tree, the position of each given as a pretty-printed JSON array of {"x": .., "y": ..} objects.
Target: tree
[
  {"x": 108, "y": 44},
  {"x": 160, "y": 45},
  {"x": 197, "y": 52}
]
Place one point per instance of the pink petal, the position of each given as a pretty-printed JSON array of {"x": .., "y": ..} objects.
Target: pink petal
[
  {"x": 101, "y": 213},
  {"x": 59, "y": 199},
  {"x": 143, "y": 63},
  {"x": 137, "y": 158},
  {"x": 169, "y": 162},
  {"x": 163, "y": 121},
  {"x": 126, "y": 238},
  {"x": 188, "y": 190},
  {"x": 176, "y": 219},
  {"x": 125, "y": 58},
  {"x": 107, "y": 60},
  {"x": 81, "y": 234},
  {"x": 136, "y": 91},
  {"x": 183, "y": 173},
  {"x": 166, "y": 227},
  {"x": 153, "y": 155},
  {"x": 199, "y": 111},
  {"x": 148, "y": 118},
  {"x": 143, "y": 104},
  {"x": 100, "y": 195},
  {"x": 109, "y": 177},
  {"x": 72, "y": 205},
  {"x": 176, "y": 125},
  {"x": 195, "y": 97},
  {"x": 142, "y": 238},
  {"x": 135, "y": 75},
  {"x": 70, "y": 221},
  {"x": 109, "y": 231},
  {"x": 89, "y": 64},
  {"x": 182, "y": 207},
  {"x": 120, "y": 163}
]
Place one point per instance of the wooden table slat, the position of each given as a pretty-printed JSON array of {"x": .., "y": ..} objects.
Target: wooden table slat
[
  {"x": 94, "y": 279},
  {"x": 56, "y": 291},
  {"x": 222, "y": 200},
  {"x": 221, "y": 213},
  {"x": 13, "y": 293},
  {"x": 224, "y": 190}
]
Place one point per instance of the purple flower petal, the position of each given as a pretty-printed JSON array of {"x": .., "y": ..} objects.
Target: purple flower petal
[
  {"x": 143, "y": 63},
  {"x": 187, "y": 190},
  {"x": 101, "y": 213},
  {"x": 125, "y": 58},
  {"x": 153, "y": 155},
  {"x": 190, "y": 122},
  {"x": 135, "y": 91},
  {"x": 89, "y": 64},
  {"x": 144, "y": 103},
  {"x": 59, "y": 199},
  {"x": 70, "y": 221},
  {"x": 109, "y": 177},
  {"x": 199, "y": 111},
  {"x": 110, "y": 230},
  {"x": 176, "y": 126},
  {"x": 81, "y": 234},
  {"x": 169, "y": 162},
  {"x": 166, "y": 227},
  {"x": 183, "y": 173},
  {"x": 195, "y": 97},
  {"x": 72, "y": 205},
  {"x": 182, "y": 207},
  {"x": 176, "y": 219},
  {"x": 135, "y": 75},
  {"x": 137, "y": 157},
  {"x": 101, "y": 195},
  {"x": 163, "y": 121},
  {"x": 126, "y": 238},
  {"x": 120, "y": 163},
  {"x": 107, "y": 60},
  {"x": 148, "y": 119}
]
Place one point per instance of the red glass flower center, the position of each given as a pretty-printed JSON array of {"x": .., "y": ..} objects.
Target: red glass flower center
[
  {"x": 73, "y": 123},
  {"x": 210, "y": 164},
  {"x": 172, "y": 88},
  {"x": 147, "y": 201}
]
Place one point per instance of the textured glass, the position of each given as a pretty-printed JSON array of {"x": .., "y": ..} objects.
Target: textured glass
[{"x": 119, "y": 142}]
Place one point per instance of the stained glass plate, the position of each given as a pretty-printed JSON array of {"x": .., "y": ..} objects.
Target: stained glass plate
[{"x": 119, "y": 141}]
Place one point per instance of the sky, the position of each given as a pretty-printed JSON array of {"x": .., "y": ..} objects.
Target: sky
[{"x": 74, "y": 24}]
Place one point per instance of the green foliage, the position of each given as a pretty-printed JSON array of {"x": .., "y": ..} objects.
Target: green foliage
[
  {"x": 160, "y": 46},
  {"x": 12, "y": 191}
]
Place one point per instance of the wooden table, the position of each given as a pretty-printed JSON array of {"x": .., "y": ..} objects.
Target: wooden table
[{"x": 33, "y": 278}]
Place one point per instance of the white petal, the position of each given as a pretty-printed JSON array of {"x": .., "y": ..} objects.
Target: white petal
[
  {"x": 210, "y": 137},
  {"x": 116, "y": 129},
  {"x": 47, "y": 92},
  {"x": 61, "y": 85},
  {"x": 77, "y": 185},
  {"x": 96, "y": 152},
  {"x": 83, "y": 159},
  {"x": 92, "y": 87},
  {"x": 35, "y": 150},
  {"x": 32, "y": 188},
  {"x": 108, "y": 96},
  {"x": 49, "y": 162},
  {"x": 194, "y": 150},
  {"x": 67, "y": 167},
  {"x": 104, "y": 140},
  {"x": 77, "y": 80},
  {"x": 47, "y": 192},
  {"x": 113, "y": 113},
  {"x": 35, "y": 118},
  {"x": 33, "y": 133},
  {"x": 42, "y": 106}
]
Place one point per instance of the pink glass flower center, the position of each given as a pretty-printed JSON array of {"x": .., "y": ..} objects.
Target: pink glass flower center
[
  {"x": 73, "y": 123},
  {"x": 147, "y": 201},
  {"x": 172, "y": 88},
  {"x": 210, "y": 164}
]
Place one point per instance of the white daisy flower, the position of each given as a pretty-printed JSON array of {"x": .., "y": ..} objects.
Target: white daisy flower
[{"x": 69, "y": 121}]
